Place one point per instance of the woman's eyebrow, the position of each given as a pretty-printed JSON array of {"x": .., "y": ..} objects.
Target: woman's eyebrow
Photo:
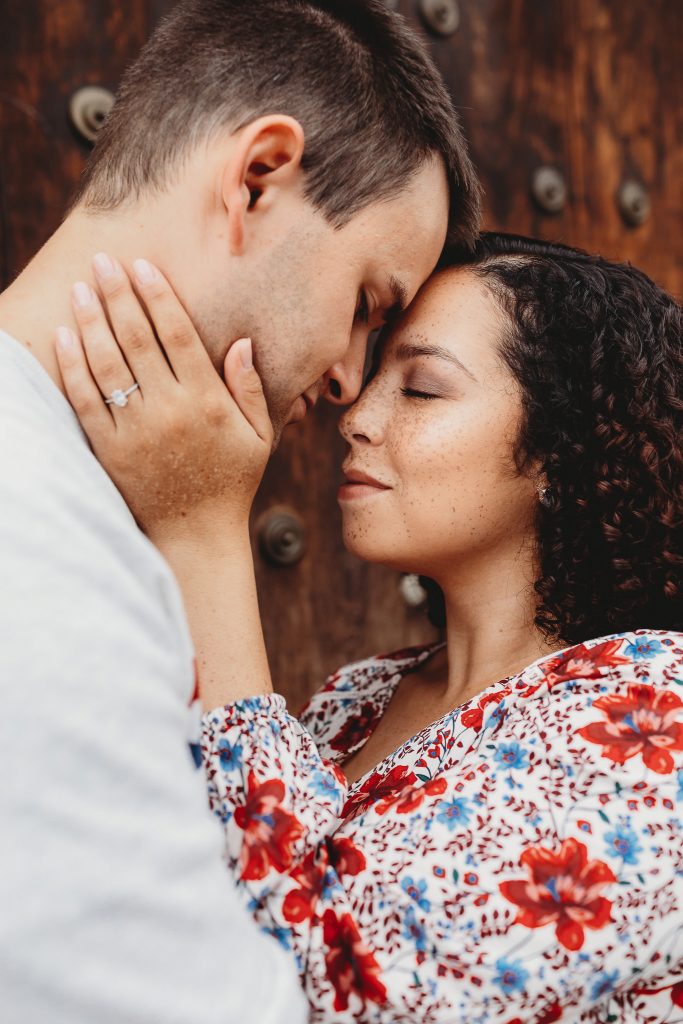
[{"x": 405, "y": 351}]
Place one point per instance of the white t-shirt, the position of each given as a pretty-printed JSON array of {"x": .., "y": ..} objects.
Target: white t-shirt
[{"x": 115, "y": 905}]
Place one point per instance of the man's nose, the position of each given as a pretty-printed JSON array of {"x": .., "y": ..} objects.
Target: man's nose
[{"x": 344, "y": 380}]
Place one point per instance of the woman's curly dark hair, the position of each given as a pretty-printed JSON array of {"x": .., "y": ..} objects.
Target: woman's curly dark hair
[{"x": 597, "y": 349}]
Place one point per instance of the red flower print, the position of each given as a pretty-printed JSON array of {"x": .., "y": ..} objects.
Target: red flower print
[
  {"x": 676, "y": 992},
  {"x": 550, "y": 1014},
  {"x": 351, "y": 967},
  {"x": 580, "y": 662},
  {"x": 563, "y": 888},
  {"x": 378, "y": 787},
  {"x": 473, "y": 718},
  {"x": 299, "y": 904},
  {"x": 356, "y": 728},
  {"x": 414, "y": 796},
  {"x": 345, "y": 857},
  {"x": 641, "y": 721},
  {"x": 269, "y": 831}
]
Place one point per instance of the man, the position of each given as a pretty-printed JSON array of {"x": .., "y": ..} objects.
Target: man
[{"x": 293, "y": 167}]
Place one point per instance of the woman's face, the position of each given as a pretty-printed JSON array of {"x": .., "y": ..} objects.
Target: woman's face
[{"x": 436, "y": 429}]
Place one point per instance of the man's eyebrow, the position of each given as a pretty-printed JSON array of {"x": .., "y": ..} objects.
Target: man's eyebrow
[
  {"x": 399, "y": 294},
  {"x": 405, "y": 350}
]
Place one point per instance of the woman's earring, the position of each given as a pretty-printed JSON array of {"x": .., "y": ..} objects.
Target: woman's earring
[{"x": 545, "y": 497}]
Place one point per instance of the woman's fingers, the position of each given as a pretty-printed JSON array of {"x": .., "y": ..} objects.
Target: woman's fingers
[
  {"x": 80, "y": 387},
  {"x": 109, "y": 369},
  {"x": 246, "y": 388},
  {"x": 183, "y": 346},
  {"x": 132, "y": 329}
]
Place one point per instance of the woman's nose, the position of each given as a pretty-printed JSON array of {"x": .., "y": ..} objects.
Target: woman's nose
[{"x": 358, "y": 426}]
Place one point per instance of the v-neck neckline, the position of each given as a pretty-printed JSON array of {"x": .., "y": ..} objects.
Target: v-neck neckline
[{"x": 385, "y": 696}]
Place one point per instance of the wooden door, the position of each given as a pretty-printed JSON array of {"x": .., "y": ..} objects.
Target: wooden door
[{"x": 591, "y": 89}]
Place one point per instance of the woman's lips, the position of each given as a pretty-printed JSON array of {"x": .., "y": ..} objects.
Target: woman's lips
[{"x": 360, "y": 485}]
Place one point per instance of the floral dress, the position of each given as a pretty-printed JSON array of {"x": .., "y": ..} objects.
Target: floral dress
[{"x": 520, "y": 860}]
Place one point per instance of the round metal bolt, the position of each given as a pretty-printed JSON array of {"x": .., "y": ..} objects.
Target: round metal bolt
[
  {"x": 549, "y": 189},
  {"x": 634, "y": 202},
  {"x": 440, "y": 16},
  {"x": 88, "y": 108},
  {"x": 282, "y": 538}
]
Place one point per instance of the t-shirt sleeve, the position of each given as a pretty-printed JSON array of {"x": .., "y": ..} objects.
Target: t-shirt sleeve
[{"x": 115, "y": 904}]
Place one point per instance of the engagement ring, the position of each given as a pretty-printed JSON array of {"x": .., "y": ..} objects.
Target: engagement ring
[{"x": 119, "y": 397}]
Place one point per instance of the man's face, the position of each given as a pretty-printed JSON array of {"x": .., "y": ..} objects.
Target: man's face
[{"x": 310, "y": 302}]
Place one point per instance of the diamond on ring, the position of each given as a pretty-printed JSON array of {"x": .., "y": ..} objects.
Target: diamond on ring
[{"x": 119, "y": 397}]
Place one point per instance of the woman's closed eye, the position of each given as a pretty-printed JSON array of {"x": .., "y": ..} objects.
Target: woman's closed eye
[{"x": 417, "y": 393}]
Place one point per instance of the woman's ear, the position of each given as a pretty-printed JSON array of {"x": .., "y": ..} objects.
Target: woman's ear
[{"x": 266, "y": 161}]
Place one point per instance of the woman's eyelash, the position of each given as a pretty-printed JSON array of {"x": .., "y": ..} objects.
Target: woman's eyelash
[
  {"x": 362, "y": 310},
  {"x": 413, "y": 393}
]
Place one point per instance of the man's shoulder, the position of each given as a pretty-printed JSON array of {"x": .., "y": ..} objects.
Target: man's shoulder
[{"x": 68, "y": 543}]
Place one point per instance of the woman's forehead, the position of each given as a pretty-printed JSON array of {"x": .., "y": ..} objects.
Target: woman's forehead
[{"x": 455, "y": 310}]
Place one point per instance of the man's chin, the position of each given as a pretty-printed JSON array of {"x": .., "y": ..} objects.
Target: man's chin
[{"x": 295, "y": 414}]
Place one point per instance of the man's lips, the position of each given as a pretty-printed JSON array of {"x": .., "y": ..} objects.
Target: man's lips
[
  {"x": 359, "y": 484},
  {"x": 301, "y": 407}
]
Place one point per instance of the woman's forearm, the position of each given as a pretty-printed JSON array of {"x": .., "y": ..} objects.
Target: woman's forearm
[{"x": 215, "y": 571}]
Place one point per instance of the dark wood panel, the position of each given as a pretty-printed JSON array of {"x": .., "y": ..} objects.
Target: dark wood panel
[
  {"x": 593, "y": 87},
  {"x": 47, "y": 51}
]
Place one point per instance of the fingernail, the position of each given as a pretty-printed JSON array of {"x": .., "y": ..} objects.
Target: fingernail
[
  {"x": 104, "y": 265},
  {"x": 82, "y": 294},
  {"x": 144, "y": 271},
  {"x": 66, "y": 339},
  {"x": 246, "y": 354}
]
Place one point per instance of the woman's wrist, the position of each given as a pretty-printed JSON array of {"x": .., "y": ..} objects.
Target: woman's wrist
[{"x": 204, "y": 533}]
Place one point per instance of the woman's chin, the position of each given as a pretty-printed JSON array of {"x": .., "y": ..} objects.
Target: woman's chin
[{"x": 374, "y": 550}]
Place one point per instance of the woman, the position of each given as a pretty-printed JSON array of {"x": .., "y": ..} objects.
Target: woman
[{"x": 484, "y": 829}]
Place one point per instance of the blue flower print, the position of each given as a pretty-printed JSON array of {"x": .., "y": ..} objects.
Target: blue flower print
[
  {"x": 679, "y": 791},
  {"x": 643, "y": 648},
  {"x": 323, "y": 783},
  {"x": 511, "y": 977},
  {"x": 454, "y": 812},
  {"x": 511, "y": 755},
  {"x": 416, "y": 891},
  {"x": 623, "y": 842},
  {"x": 230, "y": 757},
  {"x": 603, "y": 984},
  {"x": 496, "y": 716},
  {"x": 412, "y": 929},
  {"x": 283, "y": 936}
]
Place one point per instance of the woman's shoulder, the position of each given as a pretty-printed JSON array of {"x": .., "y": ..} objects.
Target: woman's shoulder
[{"x": 653, "y": 655}]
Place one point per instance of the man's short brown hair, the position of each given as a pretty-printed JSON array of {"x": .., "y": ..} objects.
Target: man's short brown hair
[{"x": 361, "y": 83}]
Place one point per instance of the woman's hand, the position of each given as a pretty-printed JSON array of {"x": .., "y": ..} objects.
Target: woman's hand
[{"x": 187, "y": 451}]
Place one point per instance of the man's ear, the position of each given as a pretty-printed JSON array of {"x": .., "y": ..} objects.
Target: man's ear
[{"x": 266, "y": 158}]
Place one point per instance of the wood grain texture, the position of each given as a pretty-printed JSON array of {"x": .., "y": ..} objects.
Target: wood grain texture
[{"x": 592, "y": 87}]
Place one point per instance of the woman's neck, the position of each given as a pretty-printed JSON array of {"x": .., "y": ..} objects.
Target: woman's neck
[{"x": 490, "y": 609}]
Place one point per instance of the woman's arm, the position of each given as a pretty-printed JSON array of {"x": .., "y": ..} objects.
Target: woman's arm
[{"x": 187, "y": 452}]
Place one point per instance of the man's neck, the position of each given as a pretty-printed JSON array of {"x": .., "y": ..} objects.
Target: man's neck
[{"x": 39, "y": 300}]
